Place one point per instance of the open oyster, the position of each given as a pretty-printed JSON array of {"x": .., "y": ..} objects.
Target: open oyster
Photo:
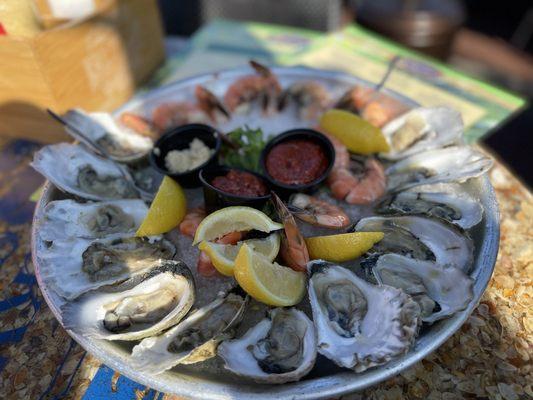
[
  {"x": 422, "y": 129},
  {"x": 75, "y": 170},
  {"x": 420, "y": 238},
  {"x": 280, "y": 348},
  {"x": 451, "y": 164},
  {"x": 194, "y": 339},
  {"x": 439, "y": 290},
  {"x": 359, "y": 325},
  {"x": 144, "y": 305},
  {"x": 75, "y": 267},
  {"x": 102, "y": 134},
  {"x": 457, "y": 208},
  {"x": 68, "y": 219}
]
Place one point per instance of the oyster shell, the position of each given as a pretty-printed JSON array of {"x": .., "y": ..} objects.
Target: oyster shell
[
  {"x": 194, "y": 339},
  {"x": 68, "y": 219},
  {"x": 457, "y": 208},
  {"x": 143, "y": 305},
  {"x": 102, "y": 134},
  {"x": 72, "y": 268},
  {"x": 422, "y": 129},
  {"x": 428, "y": 283},
  {"x": 451, "y": 164},
  {"x": 420, "y": 238},
  {"x": 280, "y": 348},
  {"x": 74, "y": 170},
  {"x": 359, "y": 325}
]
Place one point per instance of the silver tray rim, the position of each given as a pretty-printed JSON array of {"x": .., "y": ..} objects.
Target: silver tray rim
[{"x": 315, "y": 388}]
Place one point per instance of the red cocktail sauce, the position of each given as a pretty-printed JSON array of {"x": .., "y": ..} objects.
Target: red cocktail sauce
[
  {"x": 296, "y": 162},
  {"x": 240, "y": 183}
]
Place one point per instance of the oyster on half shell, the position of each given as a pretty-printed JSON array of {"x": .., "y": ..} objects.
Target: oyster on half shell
[
  {"x": 359, "y": 325},
  {"x": 428, "y": 283},
  {"x": 101, "y": 133},
  {"x": 280, "y": 348},
  {"x": 450, "y": 164},
  {"x": 422, "y": 129},
  {"x": 143, "y": 305},
  {"x": 68, "y": 219},
  {"x": 76, "y": 171},
  {"x": 457, "y": 208},
  {"x": 420, "y": 238},
  {"x": 72, "y": 268},
  {"x": 194, "y": 339}
]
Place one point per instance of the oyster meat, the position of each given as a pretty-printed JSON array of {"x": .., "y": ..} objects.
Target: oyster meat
[
  {"x": 101, "y": 133},
  {"x": 420, "y": 238},
  {"x": 422, "y": 129},
  {"x": 143, "y": 305},
  {"x": 439, "y": 290},
  {"x": 450, "y": 164},
  {"x": 68, "y": 219},
  {"x": 457, "y": 208},
  {"x": 280, "y": 348},
  {"x": 194, "y": 339},
  {"x": 72, "y": 268},
  {"x": 74, "y": 170},
  {"x": 359, "y": 325}
]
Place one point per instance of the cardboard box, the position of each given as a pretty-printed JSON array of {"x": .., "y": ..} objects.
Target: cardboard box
[{"x": 95, "y": 65}]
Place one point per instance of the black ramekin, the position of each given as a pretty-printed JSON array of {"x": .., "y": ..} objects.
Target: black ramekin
[
  {"x": 180, "y": 138},
  {"x": 215, "y": 198},
  {"x": 283, "y": 189}
]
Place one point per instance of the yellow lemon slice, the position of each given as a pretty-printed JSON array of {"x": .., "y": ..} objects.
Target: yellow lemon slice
[
  {"x": 268, "y": 282},
  {"x": 358, "y": 135},
  {"x": 223, "y": 255},
  {"x": 343, "y": 247},
  {"x": 167, "y": 209},
  {"x": 233, "y": 219}
]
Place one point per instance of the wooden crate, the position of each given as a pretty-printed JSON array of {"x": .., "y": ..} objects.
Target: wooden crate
[{"x": 95, "y": 65}]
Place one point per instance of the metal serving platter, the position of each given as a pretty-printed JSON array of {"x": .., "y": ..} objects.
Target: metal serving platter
[{"x": 324, "y": 381}]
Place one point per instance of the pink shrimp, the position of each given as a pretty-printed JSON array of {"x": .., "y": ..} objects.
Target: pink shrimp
[
  {"x": 191, "y": 221},
  {"x": 376, "y": 108},
  {"x": 293, "y": 249},
  {"x": 138, "y": 124},
  {"x": 264, "y": 86},
  {"x": 353, "y": 180},
  {"x": 204, "y": 110},
  {"x": 311, "y": 99},
  {"x": 317, "y": 212},
  {"x": 363, "y": 183}
]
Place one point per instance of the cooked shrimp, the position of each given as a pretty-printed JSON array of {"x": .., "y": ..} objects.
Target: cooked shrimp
[
  {"x": 264, "y": 86},
  {"x": 209, "y": 103},
  {"x": 353, "y": 180},
  {"x": 376, "y": 108},
  {"x": 191, "y": 221},
  {"x": 138, "y": 124},
  {"x": 204, "y": 110},
  {"x": 342, "y": 156},
  {"x": 317, "y": 212},
  {"x": 172, "y": 114},
  {"x": 205, "y": 267},
  {"x": 293, "y": 248},
  {"x": 363, "y": 183},
  {"x": 311, "y": 98}
]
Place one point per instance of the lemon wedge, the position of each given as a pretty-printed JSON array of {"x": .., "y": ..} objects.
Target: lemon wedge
[
  {"x": 223, "y": 255},
  {"x": 358, "y": 135},
  {"x": 233, "y": 219},
  {"x": 167, "y": 209},
  {"x": 343, "y": 247},
  {"x": 267, "y": 281}
]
